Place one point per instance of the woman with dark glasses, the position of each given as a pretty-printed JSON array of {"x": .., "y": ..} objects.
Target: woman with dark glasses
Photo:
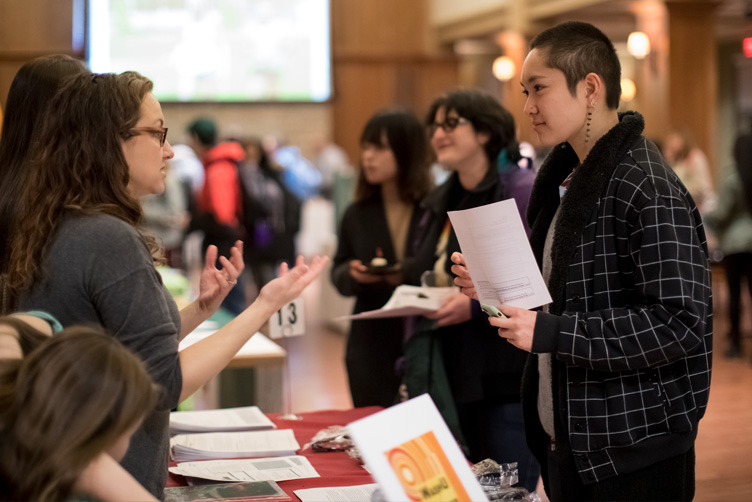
[{"x": 473, "y": 137}]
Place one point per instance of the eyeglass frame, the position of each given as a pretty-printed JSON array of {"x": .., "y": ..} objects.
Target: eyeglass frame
[
  {"x": 162, "y": 131},
  {"x": 447, "y": 126}
]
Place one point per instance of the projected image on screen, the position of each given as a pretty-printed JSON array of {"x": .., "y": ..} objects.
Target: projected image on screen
[{"x": 216, "y": 50}]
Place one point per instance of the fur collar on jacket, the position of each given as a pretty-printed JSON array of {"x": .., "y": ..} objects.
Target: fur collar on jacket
[{"x": 586, "y": 187}]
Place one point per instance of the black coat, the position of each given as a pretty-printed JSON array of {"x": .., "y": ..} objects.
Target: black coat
[
  {"x": 373, "y": 345},
  {"x": 630, "y": 326},
  {"x": 480, "y": 364}
]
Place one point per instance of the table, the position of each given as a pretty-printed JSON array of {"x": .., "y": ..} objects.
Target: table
[
  {"x": 335, "y": 468},
  {"x": 260, "y": 353}
]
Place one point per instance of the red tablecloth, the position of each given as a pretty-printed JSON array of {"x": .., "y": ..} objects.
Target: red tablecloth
[{"x": 335, "y": 468}]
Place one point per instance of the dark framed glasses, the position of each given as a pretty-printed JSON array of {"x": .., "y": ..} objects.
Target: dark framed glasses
[
  {"x": 159, "y": 133},
  {"x": 449, "y": 124}
]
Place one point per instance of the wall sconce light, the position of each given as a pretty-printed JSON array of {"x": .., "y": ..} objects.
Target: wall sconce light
[
  {"x": 628, "y": 89},
  {"x": 638, "y": 44},
  {"x": 504, "y": 68}
]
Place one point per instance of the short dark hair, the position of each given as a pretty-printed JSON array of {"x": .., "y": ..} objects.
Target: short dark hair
[
  {"x": 487, "y": 116},
  {"x": 407, "y": 140},
  {"x": 577, "y": 49},
  {"x": 205, "y": 130}
]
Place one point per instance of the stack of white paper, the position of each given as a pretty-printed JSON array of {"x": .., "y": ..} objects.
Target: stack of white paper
[
  {"x": 249, "y": 418},
  {"x": 212, "y": 445},
  {"x": 257, "y": 469},
  {"x": 358, "y": 493}
]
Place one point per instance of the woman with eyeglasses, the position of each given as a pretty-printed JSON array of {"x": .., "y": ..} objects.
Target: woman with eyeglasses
[
  {"x": 473, "y": 137},
  {"x": 78, "y": 251},
  {"x": 373, "y": 252}
]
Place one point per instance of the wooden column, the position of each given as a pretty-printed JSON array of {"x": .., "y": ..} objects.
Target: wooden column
[{"x": 693, "y": 71}]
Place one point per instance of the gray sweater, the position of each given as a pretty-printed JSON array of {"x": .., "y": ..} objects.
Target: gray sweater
[{"x": 98, "y": 270}]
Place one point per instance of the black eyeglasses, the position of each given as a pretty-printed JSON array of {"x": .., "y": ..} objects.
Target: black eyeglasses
[
  {"x": 449, "y": 124},
  {"x": 159, "y": 133}
]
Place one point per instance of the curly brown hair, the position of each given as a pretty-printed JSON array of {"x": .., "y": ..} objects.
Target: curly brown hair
[{"x": 78, "y": 165}]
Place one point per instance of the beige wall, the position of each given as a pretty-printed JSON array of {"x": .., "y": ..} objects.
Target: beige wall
[{"x": 297, "y": 124}]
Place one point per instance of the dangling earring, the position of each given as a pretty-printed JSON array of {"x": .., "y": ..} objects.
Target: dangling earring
[{"x": 587, "y": 121}]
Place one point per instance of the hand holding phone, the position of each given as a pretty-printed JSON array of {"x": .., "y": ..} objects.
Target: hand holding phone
[{"x": 492, "y": 311}]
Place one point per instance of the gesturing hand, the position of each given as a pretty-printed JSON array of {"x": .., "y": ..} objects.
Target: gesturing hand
[
  {"x": 214, "y": 283},
  {"x": 291, "y": 282}
]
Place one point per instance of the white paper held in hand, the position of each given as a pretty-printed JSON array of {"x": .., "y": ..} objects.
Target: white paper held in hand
[
  {"x": 288, "y": 321},
  {"x": 498, "y": 255}
]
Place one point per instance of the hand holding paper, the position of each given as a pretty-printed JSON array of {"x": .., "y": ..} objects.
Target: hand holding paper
[
  {"x": 455, "y": 310},
  {"x": 497, "y": 254},
  {"x": 463, "y": 279}
]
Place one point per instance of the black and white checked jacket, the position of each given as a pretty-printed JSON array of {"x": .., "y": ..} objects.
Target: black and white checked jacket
[{"x": 630, "y": 326}]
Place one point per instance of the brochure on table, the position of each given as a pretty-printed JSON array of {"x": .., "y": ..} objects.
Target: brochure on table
[{"x": 413, "y": 456}]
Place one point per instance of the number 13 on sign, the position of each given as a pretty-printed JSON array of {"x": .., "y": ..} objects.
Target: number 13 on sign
[{"x": 288, "y": 321}]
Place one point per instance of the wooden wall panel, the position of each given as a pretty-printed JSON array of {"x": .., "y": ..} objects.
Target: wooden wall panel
[
  {"x": 31, "y": 28},
  {"x": 693, "y": 71},
  {"x": 35, "y": 26},
  {"x": 382, "y": 27},
  {"x": 366, "y": 87},
  {"x": 383, "y": 58}
]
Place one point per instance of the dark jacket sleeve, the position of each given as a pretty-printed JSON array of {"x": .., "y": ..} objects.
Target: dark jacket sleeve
[
  {"x": 667, "y": 319},
  {"x": 341, "y": 277}
]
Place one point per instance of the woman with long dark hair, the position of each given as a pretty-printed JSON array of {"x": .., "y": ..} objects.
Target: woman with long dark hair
[
  {"x": 31, "y": 90},
  {"x": 378, "y": 226}
]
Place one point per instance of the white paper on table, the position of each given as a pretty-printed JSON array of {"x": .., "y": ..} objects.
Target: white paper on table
[
  {"x": 212, "y": 445},
  {"x": 409, "y": 448},
  {"x": 247, "y": 418},
  {"x": 498, "y": 255},
  {"x": 259, "y": 469},
  {"x": 359, "y": 493},
  {"x": 409, "y": 300}
]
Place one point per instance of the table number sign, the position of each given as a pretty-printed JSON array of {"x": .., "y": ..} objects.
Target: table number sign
[{"x": 288, "y": 321}]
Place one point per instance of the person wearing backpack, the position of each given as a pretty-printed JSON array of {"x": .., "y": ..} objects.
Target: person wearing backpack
[
  {"x": 220, "y": 205},
  {"x": 275, "y": 212}
]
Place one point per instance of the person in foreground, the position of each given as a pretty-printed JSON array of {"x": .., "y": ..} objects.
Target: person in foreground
[
  {"x": 79, "y": 254},
  {"x": 619, "y": 374},
  {"x": 67, "y": 412}
]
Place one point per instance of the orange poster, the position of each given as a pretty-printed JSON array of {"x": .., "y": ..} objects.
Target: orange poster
[{"x": 424, "y": 471}]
